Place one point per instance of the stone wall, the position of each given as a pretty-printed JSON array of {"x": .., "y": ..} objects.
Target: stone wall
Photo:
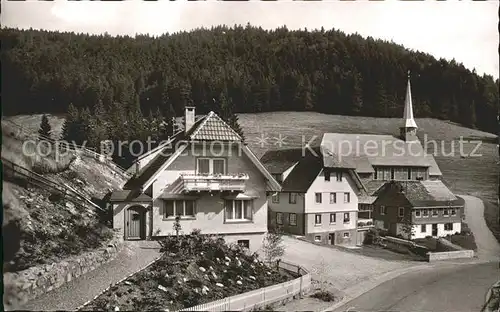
[
  {"x": 23, "y": 286},
  {"x": 461, "y": 254}
]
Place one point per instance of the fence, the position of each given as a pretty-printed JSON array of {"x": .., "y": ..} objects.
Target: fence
[
  {"x": 264, "y": 296},
  {"x": 15, "y": 171}
]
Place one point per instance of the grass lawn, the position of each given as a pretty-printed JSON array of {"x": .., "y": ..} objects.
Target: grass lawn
[
  {"x": 464, "y": 241},
  {"x": 193, "y": 269},
  {"x": 432, "y": 244}
]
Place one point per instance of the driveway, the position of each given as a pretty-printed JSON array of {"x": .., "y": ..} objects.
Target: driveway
[
  {"x": 134, "y": 256},
  {"x": 488, "y": 247}
]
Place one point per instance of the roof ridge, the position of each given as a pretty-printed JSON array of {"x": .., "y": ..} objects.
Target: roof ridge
[
  {"x": 207, "y": 117},
  {"x": 228, "y": 126}
]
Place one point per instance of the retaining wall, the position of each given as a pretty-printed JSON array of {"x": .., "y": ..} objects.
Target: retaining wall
[
  {"x": 23, "y": 286},
  {"x": 403, "y": 246},
  {"x": 447, "y": 255}
]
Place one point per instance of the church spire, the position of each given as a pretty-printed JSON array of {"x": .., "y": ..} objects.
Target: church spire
[
  {"x": 409, "y": 122},
  {"x": 409, "y": 129}
]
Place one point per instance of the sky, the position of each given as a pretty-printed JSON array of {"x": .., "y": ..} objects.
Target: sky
[{"x": 464, "y": 30}]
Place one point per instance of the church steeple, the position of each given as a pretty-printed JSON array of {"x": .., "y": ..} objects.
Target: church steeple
[{"x": 408, "y": 131}]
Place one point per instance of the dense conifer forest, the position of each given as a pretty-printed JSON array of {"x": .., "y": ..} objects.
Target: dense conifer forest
[{"x": 120, "y": 87}]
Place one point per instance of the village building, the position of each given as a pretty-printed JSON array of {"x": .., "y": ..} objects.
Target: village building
[
  {"x": 207, "y": 176},
  {"x": 381, "y": 159},
  {"x": 319, "y": 197}
]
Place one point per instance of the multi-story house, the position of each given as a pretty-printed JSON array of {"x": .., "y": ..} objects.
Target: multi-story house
[
  {"x": 206, "y": 176},
  {"x": 380, "y": 159},
  {"x": 417, "y": 209},
  {"x": 319, "y": 198}
]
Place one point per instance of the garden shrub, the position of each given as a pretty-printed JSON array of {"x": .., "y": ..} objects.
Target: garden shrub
[{"x": 323, "y": 295}]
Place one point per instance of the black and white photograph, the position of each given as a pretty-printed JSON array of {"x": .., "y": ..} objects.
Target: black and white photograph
[{"x": 326, "y": 156}]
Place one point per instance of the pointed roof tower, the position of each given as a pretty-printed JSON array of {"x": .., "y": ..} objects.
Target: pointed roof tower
[
  {"x": 409, "y": 122},
  {"x": 408, "y": 131}
]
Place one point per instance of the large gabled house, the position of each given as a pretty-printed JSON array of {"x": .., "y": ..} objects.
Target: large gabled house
[
  {"x": 319, "y": 197},
  {"x": 207, "y": 176}
]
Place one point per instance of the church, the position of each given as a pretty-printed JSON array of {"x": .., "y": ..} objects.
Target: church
[{"x": 403, "y": 192}]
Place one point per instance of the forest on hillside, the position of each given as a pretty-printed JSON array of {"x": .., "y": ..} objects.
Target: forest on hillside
[{"x": 238, "y": 69}]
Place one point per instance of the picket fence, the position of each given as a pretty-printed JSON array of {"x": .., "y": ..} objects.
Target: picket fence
[{"x": 262, "y": 297}]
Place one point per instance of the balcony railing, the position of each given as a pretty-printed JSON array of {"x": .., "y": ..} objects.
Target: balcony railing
[{"x": 213, "y": 183}]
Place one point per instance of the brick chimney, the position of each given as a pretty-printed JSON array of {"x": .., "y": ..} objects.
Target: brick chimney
[{"x": 189, "y": 116}]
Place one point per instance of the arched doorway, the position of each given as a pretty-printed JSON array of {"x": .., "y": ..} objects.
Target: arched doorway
[{"x": 135, "y": 223}]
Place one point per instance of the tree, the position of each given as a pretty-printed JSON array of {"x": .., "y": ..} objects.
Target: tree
[
  {"x": 353, "y": 75},
  {"x": 45, "y": 130},
  {"x": 357, "y": 94},
  {"x": 177, "y": 225},
  {"x": 407, "y": 229},
  {"x": 73, "y": 128},
  {"x": 227, "y": 114},
  {"x": 273, "y": 245}
]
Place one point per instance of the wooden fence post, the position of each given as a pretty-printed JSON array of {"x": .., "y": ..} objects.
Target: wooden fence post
[{"x": 300, "y": 288}]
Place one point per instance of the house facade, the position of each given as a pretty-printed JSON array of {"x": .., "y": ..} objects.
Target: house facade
[
  {"x": 317, "y": 202},
  {"x": 417, "y": 209},
  {"x": 207, "y": 177}
]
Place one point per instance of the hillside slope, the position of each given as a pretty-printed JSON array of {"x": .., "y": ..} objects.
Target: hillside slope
[{"x": 47, "y": 227}]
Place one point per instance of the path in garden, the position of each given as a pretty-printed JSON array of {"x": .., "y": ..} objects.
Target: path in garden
[{"x": 134, "y": 256}]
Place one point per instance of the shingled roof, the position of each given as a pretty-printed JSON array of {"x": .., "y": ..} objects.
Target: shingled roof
[
  {"x": 368, "y": 150},
  {"x": 213, "y": 128},
  {"x": 423, "y": 193}
]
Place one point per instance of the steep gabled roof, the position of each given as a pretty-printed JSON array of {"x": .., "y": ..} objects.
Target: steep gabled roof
[
  {"x": 213, "y": 128},
  {"x": 368, "y": 150},
  {"x": 303, "y": 174}
]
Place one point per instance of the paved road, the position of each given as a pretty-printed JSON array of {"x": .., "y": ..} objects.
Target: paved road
[
  {"x": 339, "y": 268},
  {"x": 452, "y": 288},
  {"x": 134, "y": 256},
  {"x": 488, "y": 247}
]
